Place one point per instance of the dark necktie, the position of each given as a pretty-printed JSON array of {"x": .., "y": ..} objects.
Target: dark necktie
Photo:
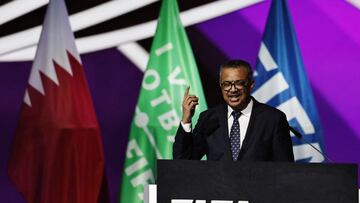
[{"x": 235, "y": 135}]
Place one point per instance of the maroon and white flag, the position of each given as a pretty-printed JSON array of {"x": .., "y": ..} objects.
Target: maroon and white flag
[{"x": 57, "y": 154}]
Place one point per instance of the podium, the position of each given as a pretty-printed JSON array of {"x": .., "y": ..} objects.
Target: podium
[{"x": 185, "y": 181}]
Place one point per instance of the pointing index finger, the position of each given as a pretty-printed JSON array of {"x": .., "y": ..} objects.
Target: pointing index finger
[{"x": 186, "y": 94}]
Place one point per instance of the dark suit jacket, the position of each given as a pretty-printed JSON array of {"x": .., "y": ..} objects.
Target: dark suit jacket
[{"x": 267, "y": 137}]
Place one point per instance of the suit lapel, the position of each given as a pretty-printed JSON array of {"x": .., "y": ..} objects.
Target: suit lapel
[
  {"x": 223, "y": 121},
  {"x": 249, "y": 136},
  {"x": 250, "y": 132}
]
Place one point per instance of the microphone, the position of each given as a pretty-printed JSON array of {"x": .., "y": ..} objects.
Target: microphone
[{"x": 299, "y": 135}]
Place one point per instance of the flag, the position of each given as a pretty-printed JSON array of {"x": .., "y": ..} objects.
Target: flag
[
  {"x": 281, "y": 82},
  {"x": 57, "y": 153},
  {"x": 170, "y": 69}
]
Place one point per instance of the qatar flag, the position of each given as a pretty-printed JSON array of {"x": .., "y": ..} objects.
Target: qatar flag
[{"x": 57, "y": 153}]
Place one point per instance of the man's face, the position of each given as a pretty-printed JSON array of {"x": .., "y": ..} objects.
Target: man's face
[{"x": 236, "y": 87}]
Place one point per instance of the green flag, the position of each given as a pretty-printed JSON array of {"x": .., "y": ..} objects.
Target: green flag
[{"x": 158, "y": 113}]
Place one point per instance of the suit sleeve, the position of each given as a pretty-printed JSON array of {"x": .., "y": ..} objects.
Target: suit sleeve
[
  {"x": 282, "y": 145},
  {"x": 190, "y": 145}
]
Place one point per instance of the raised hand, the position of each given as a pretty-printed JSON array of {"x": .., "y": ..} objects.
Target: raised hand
[{"x": 188, "y": 106}]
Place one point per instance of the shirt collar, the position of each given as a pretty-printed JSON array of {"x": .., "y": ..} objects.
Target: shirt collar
[{"x": 245, "y": 112}]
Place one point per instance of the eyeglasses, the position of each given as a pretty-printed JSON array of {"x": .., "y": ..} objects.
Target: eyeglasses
[{"x": 238, "y": 84}]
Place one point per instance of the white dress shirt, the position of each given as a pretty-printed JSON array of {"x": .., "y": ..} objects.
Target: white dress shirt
[{"x": 243, "y": 121}]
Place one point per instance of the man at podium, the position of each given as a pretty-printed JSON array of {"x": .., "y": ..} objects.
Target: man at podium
[{"x": 239, "y": 129}]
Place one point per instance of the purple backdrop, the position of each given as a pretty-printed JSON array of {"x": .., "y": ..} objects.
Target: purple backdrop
[{"x": 328, "y": 34}]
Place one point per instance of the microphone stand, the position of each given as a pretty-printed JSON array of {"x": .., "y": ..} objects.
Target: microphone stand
[{"x": 298, "y": 135}]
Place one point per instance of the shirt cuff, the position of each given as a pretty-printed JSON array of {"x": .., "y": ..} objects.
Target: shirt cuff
[{"x": 186, "y": 126}]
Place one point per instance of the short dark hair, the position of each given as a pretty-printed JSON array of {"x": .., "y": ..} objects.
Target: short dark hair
[{"x": 238, "y": 64}]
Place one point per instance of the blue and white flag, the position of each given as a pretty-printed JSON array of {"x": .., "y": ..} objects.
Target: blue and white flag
[{"x": 281, "y": 82}]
